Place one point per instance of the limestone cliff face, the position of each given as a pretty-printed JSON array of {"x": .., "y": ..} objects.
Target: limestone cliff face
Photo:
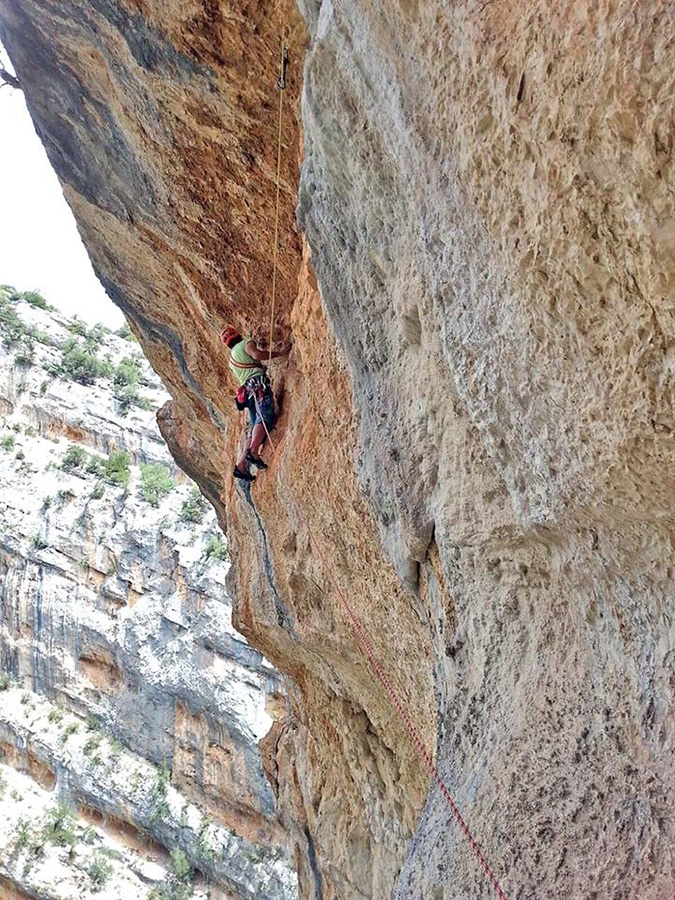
[
  {"x": 115, "y": 612},
  {"x": 477, "y": 415}
]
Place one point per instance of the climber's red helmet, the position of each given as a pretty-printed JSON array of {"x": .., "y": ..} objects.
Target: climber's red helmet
[{"x": 230, "y": 336}]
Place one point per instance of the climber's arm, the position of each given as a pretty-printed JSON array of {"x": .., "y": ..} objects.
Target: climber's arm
[{"x": 261, "y": 354}]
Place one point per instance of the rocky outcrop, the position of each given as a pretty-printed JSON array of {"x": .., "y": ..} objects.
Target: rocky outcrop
[
  {"x": 477, "y": 415},
  {"x": 115, "y": 609}
]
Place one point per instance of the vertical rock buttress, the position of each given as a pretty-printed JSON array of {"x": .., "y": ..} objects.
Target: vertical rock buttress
[{"x": 477, "y": 415}]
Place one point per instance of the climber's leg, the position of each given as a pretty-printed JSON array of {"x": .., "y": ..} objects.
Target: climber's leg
[
  {"x": 264, "y": 421},
  {"x": 242, "y": 465},
  {"x": 257, "y": 439},
  {"x": 242, "y": 468}
]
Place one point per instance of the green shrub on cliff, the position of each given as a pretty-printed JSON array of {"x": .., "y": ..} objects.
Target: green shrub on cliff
[
  {"x": 126, "y": 333},
  {"x": 74, "y": 458},
  {"x": 58, "y": 826},
  {"x": 35, "y": 298},
  {"x": 128, "y": 396},
  {"x": 172, "y": 889},
  {"x": 70, "y": 729},
  {"x": 127, "y": 377},
  {"x": 117, "y": 469},
  {"x": 77, "y": 326},
  {"x": 156, "y": 483},
  {"x": 180, "y": 864},
  {"x": 25, "y": 350},
  {"x": 216, "y": 549},
  {"x": 99, "y": 871},
  {"x": 12, "y": 326},
  {"x": 80, "y": 363},
  {"x": 192, "y": 509},
  {"x": 178, "y": 885},
  {"x": 95, "y": 465}
]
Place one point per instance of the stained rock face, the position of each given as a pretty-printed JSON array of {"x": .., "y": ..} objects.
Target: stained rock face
[
  {"x": 115, "y": 609},
  {"x": 475, "y": 444}
]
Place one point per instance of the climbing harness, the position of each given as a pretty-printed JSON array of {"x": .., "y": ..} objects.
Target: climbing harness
[
  {"x": 256, "y": 387},
  {"x": 354, "y": 620}
]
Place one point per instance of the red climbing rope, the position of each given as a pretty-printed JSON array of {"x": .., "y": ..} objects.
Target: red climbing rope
[
  {"x": 397, "y": 703},
  {"x": 359, "y": 630}
]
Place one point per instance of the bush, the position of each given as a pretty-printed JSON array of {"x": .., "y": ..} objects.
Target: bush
[
  {"x": 98, "y": 492},
  {"x": 25, "y": 351},
  {"x": 11, "y": 325},
  {"x": 58, "y": 827},
  {"x": 95, "y": 465},
  {"x": 94, "y": 337},
  {"x": 74, "y": 458},
  {"x": 216, "y": 549},
  {"x": 117, "y": 469},
  {"x": 38, "y": 542},
  {"x": 126, "y": 333},
  {"x": 4, "y": 681},
  {"x": 23, "y": 834},
  {"x": 92, "y": 744},
  {"x": 68, "y": 730},
  {"x": 128, "y": 396},
  {"x": 90, "y": 835},
  {"x": 126, "y": 378},
  {"x": 193, "y": 508},
  {"x": 3, "y": 785},
  {"x": 80, "y": 363},
  {"x": 42, "y": 337},
  {"x": 180, "y": 865},
  {"x": 55, "y": 715},
  {"x": 172, "y": 889},
  {"x": 128, "y": 371},
  {"x": 7, "y": 442},
  {"x": 99, "y": 871},
  {"x": 35, "y": 298},
  {"x": 178, "y": 885},
  {"x": 156, "y": 483},
  {"x": 77, "y": 326}
]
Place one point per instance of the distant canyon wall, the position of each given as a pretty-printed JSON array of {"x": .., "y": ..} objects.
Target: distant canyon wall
[{"x": 114, "y": 609}]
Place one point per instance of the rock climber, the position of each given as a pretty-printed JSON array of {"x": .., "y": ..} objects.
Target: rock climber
[{"x": 255, "y": 394}]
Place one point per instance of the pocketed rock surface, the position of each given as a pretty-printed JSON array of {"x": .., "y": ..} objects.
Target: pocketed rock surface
[{"x": 476, "y": 440}]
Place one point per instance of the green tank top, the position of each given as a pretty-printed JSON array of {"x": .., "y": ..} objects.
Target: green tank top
[{"x": 249, "y": 366}]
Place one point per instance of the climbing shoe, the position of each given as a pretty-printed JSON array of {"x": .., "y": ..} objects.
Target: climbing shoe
[
  {"x": 244, "y": 476},
  {"x": 255, "y": 461}
]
